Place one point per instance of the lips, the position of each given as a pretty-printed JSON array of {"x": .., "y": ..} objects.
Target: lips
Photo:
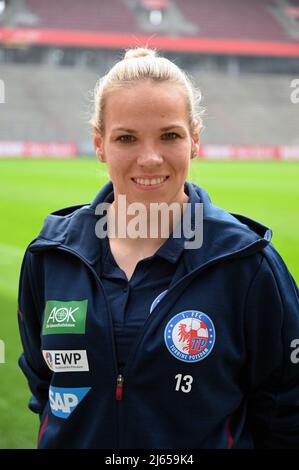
[{"x": 150, "y": 181}]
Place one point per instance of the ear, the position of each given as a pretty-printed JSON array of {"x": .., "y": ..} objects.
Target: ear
[
  {"x": 195, "y": 138},
  {"x": 196, "y": 144},
  {"x": 98, "y": 144}
]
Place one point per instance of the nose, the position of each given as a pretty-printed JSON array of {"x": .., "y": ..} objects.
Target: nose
[{"x": 149, "y": 156}]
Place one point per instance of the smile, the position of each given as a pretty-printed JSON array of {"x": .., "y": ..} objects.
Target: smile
[{"x": 150, "y": 181}]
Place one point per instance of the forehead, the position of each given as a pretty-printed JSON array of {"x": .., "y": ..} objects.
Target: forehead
[{"x": 146, "y": 100}]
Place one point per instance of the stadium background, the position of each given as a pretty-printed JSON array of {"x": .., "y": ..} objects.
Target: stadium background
[{"x": 243, "y": 54}]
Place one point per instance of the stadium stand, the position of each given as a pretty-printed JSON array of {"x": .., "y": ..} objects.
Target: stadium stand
[
  {"x": 106, "y": 15},
  {"x": 233, "y": 19},
  {"x": 48, "y": 103},
  {"x": 258, "y": 27},
  {"x": 286, "y": 13},
  {"x": 255, "y": 19},
  {"x": 45, "y": 104},
  {"x": 46, "y": 84}
]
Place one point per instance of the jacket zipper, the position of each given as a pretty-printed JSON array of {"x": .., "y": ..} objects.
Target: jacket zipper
[{"x": 119, "y": 387}]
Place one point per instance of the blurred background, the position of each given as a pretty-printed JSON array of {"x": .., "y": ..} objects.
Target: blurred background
[{"x": 242, "y": 54}]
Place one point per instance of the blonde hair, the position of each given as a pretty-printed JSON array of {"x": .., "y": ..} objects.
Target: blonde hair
[{"x": 143, "y": 64}]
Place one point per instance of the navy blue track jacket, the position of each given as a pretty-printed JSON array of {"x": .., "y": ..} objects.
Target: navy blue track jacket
[{"x": 214, "y": 366}]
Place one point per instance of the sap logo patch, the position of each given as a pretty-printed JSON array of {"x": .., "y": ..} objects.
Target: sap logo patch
[
  {"x": 66, "y": 361},
  {"x": 65, "y": 317},
  {"x": 63, "y": 401}
]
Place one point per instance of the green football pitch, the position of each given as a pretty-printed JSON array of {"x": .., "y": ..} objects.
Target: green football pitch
[{"x": 30, "y": 189}]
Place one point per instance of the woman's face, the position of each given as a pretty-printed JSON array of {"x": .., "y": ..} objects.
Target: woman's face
[{"x": 147, "y": 142}]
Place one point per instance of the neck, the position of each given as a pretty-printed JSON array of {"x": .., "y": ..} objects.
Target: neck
[{"x": 145, "y": 224}]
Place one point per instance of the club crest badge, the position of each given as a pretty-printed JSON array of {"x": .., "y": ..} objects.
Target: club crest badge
[{"x": 190, "y": 336}]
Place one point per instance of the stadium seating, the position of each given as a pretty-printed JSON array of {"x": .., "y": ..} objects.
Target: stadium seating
[
  {"x": 48, "y": 103},
  {"x": 233, "y": 19},
  {"x": 106, "y": 15},
  {"x": 45, "y": 104},
  {"x": 257, "y": 19}
]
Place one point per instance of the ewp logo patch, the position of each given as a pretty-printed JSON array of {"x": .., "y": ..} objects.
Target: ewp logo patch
[
  {"x": 190, "y": 336},
  {"x": 66, "y": 361},
  {"x": 63, "y": 401}
]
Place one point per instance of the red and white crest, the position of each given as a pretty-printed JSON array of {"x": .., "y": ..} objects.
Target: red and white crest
[{"x": 190, "y": 336}]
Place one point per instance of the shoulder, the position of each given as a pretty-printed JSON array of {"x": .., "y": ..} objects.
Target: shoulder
[
  {"x": 273, "y": 286},
  {"x": 58, "y": 224},
  {"x": 276, "y": 266}
]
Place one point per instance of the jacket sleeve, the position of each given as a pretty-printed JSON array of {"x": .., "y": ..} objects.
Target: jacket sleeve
[
  {"x": 272, "y": 331},
  {"x": 29, "y": 318}
]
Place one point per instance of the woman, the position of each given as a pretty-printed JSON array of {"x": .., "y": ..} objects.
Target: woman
[{"x": 149, "y": 341}]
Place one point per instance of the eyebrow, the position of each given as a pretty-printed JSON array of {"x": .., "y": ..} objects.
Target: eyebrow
[
  {"x": 174, "y": 126},
  {"x": 132, "y": 131},
  {"x": 124, "y": 129}
]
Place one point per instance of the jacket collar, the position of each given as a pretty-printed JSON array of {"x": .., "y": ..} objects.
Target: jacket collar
[{"x": 224, "y": 234}]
